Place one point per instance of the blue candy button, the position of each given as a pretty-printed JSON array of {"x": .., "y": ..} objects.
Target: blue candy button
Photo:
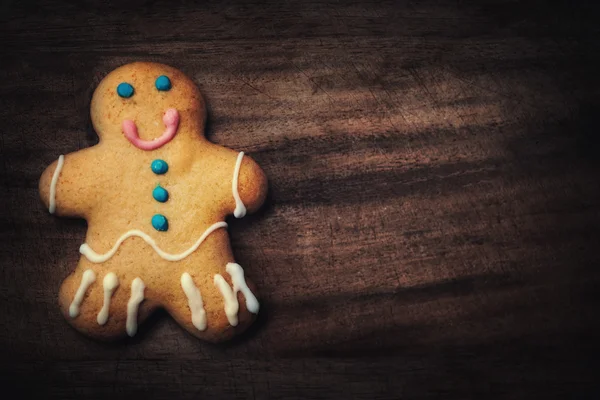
[
  {"x": 160, "y": 222},
  {"x": 125, "y": 90},
  {"x": 160, "y": 194},
  {"x": 163, "y": 83},
  {"x": 159, "y": 167}
]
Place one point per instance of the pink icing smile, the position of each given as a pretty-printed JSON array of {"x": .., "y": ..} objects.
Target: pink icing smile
[{"x": 171, "y": 121}]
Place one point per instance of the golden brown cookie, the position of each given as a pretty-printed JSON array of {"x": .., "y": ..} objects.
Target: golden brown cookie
[{"x": 155, "y": 194}]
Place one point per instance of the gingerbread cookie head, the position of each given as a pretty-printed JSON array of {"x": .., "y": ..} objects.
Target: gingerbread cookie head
[{"x": 150, "y": 104}]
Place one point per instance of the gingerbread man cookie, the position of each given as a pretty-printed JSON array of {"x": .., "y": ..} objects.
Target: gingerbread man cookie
[{"x": 155, "y": 194}]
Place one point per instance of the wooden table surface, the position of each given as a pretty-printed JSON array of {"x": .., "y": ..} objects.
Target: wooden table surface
[{"x": 433, "y": 223}]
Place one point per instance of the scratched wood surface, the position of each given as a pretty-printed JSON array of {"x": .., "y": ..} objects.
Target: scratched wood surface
[{"x": 433, "y": 223}]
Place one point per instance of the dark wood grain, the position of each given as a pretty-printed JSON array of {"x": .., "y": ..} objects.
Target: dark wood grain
[{"x": 433, "y": 223}]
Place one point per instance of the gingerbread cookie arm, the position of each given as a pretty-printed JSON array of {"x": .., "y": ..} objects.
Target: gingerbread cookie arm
[
  {"x": 248, "y": 185},
  {"x": 66, "y": 187}
]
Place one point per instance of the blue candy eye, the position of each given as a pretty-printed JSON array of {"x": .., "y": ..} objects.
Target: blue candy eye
[
  {"x": 125, "y": 90},
  {"x": 163, "y": 83}
]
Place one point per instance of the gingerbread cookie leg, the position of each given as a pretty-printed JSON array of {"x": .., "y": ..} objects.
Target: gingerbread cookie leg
[
  {"x": 213, "y": 307},
  {"x": 189, "y": 302},
  {"x": 103, "y": 305}
]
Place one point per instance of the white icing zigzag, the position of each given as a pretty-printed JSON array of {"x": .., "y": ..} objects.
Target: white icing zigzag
[{"x": 94, "y": 257}]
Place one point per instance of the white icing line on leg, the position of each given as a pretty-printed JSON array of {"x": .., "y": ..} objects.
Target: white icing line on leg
[
  {"x": 87, "y": 279},
  {"x": 110, "y": 283},
  {"x": 194, "y": 301},
  {"x": 137, "y": 296},
  {"x": 94, "y": 257},
  {"x": 52, "y": 199},
  {"x": 231, "y": 303},
  {"x": 240, "y": 209},
  {"x": 239, "y": 285}
]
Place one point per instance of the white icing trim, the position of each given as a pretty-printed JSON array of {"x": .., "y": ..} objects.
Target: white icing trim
[
  {"x": 240, "y": 209},
  {"x": 52, "y": 199},
  {"x": 87, "y": 279},
  {"x": 239, "y": 285},
  {"x": 110, "y": 283},
  {"x": 94, "y": 257},
  {"x": 230, "y": 299},
  {"x": 194, "y": 301},
  {"x": 230, "y": 295},
  {"x": 137, "y": 296}
]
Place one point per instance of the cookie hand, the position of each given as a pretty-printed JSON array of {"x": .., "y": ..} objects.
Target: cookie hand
[
  {"x": 76, "y": 198},
  {"x": 252, "y": 185}
]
